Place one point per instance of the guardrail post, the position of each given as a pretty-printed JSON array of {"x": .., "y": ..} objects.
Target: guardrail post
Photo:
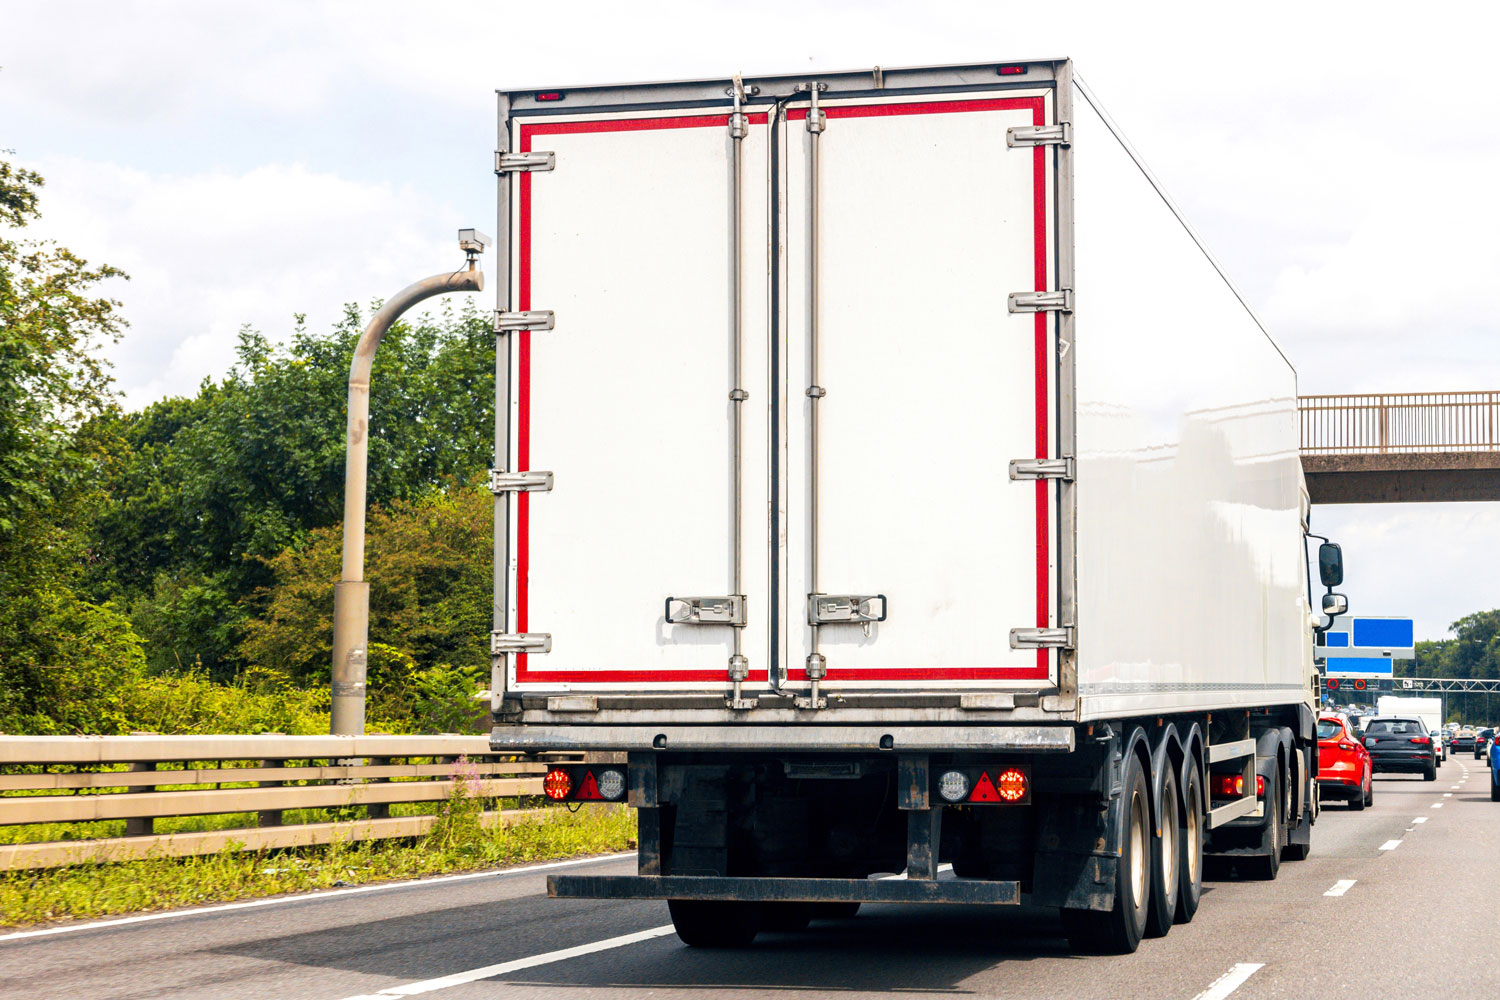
[
  {"x": 378, "y": 810},
  {"x": 269, "y": 817},
  {"x": 141, "y": 826}
]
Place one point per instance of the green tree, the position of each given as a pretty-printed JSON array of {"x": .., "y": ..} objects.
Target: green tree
[
  {"x": 430, "y": 606},
  {"x": 213, "y": 488},
  {"x": 61, "y": 657}
]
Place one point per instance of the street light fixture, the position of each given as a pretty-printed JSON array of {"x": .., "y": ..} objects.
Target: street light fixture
[{"x": 351, "y": 595}]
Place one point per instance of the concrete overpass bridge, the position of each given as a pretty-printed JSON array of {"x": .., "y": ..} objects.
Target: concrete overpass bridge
[{"x": 1401, "y": 447}]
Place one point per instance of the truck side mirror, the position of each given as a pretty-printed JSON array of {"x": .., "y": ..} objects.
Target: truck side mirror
[
  {"x": 1330, "y": 565},
  {"x": 1335, "y": 604}
]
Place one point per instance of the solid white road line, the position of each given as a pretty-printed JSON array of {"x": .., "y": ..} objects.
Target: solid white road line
[
  {"x": 1390, "y": 845},
  {"x": 1341, "y": 886},
  {"x": 305, "y": 897},
  {"x": 1230, "y": 981},
  {"x": 502, "y": 968}
]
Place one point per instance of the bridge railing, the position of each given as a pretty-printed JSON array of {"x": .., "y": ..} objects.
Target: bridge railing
[
  {"x": 1383, "y": 423},
  {"x": 247, "y": 781}
]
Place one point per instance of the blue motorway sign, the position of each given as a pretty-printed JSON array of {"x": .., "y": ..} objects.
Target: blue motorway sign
[
  {"x": 1371, "y": 637},
  {"x": 1359, "y": 666}
]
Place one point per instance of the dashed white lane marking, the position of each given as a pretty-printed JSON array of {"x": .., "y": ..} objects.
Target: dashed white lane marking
[
  {"x": 1420, "y": 819},
  {"x": 1437, "y": 805},
  {"x": 1341, "y": 886},
  {"x": 1230, "y": 981},
  {"x": 1390, "y": 845},
  {"x": 1447, "y": 795},
  {"x": 305, "y": 897},
  {"x": 516, "y": 965}
]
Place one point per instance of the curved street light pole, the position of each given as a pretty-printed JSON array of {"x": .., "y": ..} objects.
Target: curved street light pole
[{"x": 351, "y": 595}]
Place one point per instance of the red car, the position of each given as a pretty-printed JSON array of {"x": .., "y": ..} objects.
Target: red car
[{"x": 1344, "y": 768}]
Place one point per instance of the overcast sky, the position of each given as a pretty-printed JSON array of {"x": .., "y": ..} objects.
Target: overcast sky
[{"x": 245, "y": 162}]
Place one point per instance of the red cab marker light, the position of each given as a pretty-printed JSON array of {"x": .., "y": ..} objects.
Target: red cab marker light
[
  {"x": 557, "y": 784},
  {"x": 1011, "y": 70},
  {"x": 984, "y": 789},
  {"x": 550, "y": 95}
]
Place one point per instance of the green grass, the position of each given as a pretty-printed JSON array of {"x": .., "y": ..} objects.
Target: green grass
[{"x": 457, "y": 843}]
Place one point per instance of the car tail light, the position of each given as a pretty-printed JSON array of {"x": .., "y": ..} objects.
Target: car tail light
[
  {"x": 557, "y": 784},
  {"x": 1230, "y": 786},
  {"x": 1423, "y": 740},
  {"x": 1260, "y": 786},
  {"x": 1346, "y": 746}
]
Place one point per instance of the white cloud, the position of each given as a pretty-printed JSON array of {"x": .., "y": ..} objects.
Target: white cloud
[{"x": 210, "y": 252}]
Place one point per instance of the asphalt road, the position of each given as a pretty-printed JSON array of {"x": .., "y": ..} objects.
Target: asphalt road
[{"x": 1419, "y": 874}]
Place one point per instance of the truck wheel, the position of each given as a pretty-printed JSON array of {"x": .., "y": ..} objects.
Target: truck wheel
[
  {"x": 704, "y": 923},
  {"x": 1267, "y": 865},
  {"x": 1166, "y": 858},
  {"x": 1190, "y": 867},
  {"x": 1118, "y": 932},
  {"x": 834, "y": 911}
]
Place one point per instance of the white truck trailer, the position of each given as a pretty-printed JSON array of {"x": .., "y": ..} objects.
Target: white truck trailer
[{"x": 887, "y": 478}]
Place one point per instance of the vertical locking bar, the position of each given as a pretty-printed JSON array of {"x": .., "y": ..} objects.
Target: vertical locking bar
[
  {"x": 817, "y": 665},
  {"x": 739, "y": 665}
]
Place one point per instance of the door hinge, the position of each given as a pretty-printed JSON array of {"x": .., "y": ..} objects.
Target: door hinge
[
  {"x": 531, "y": 481},
  {"x": 535, "y": 319},
  {"x": 1042, "y": 638},
  {"x": 1060, "y": 134},
  {"x": 1042, "y": 468},
  {"x": 524, "y": 163},
  {"x": 728, "y": 610},
  {"x": 838, "y": 609},
  {"x": 519, "y": 642},
  {"x": 1030, "y": 302}
]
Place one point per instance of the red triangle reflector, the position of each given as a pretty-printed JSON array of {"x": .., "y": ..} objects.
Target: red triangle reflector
[
  {"x": 984, "y": 789},
  {"x": 589, "y": 789}
]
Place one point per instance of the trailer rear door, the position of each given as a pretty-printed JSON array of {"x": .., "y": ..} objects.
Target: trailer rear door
[
  {"x": 911, "y": 386},
  {"x": 627, "y": 401},
  {"x": 905, "y": 537}
]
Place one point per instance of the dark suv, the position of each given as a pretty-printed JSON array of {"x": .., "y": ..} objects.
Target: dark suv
[
  {"x": 1482, "y": 742},
  {"x": 1398, "y": 743}
]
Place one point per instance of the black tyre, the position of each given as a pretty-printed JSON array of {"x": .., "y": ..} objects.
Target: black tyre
[
  {"x": 785, "y": 916},
  {"x": 834, "y": 911},
  {"x": 1494, "y": 788},
  {"x": 1166, "y": 858},
  {"x": 1266, "y": 866},
  {"x": 1190, "y": 868},
  {"x": 702, "y": 923},
  {"x": 1118, "y": 931},
  {"x": 1431, "y": 773},
  {"x": 1359, "y": 801}
]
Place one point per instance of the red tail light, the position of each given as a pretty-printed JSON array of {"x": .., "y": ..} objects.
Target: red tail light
[
  {"x": 1260, "y": 786},
  {"x": 1230, "y": 786},
  {"x": 1346, "y": 746},
  {"x": 557, "y": 784},
  {"x": 1423, "y": 740},
  {"x": 1011, "y": 784}
]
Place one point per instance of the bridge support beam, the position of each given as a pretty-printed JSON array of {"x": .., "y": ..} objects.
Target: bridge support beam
[{"x": 1411, "y": 477}]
